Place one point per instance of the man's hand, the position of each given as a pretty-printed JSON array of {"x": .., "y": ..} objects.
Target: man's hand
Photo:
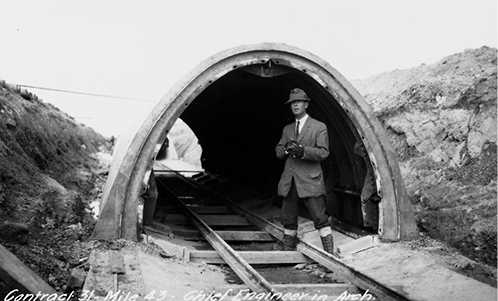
[
  {"x": 294, "y": 148},
  {"x": 297, "y": 151},
  {"x": 289, "y": 146}
]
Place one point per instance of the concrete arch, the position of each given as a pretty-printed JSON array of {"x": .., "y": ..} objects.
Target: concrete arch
[{"x": 335, "y": 102}]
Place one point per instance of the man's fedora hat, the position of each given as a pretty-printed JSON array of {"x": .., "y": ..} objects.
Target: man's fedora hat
[{"x": 298, "y": 94}]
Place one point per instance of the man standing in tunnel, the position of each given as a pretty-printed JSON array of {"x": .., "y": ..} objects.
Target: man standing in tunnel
[{"x": 304, "y": 144}]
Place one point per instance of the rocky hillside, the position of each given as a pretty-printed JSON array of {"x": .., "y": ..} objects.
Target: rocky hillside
[
  {"x": 441, "y": 119},
  {"x": 48, "y": 175}
]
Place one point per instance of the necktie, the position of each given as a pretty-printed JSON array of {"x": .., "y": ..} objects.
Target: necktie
[{"x": 297, "y": 129}]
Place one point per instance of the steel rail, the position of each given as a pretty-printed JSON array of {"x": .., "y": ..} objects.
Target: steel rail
[
  {"x": 329, "y": 261},
  {"x": 255, "y": 282}
]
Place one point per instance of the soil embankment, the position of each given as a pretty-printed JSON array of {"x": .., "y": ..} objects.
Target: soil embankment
[
  {"x": 441, "y": 119},
  {"x": 49, "y": 174}
]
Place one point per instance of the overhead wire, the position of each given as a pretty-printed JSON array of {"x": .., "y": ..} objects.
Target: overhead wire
[{"x": 84, "y": 93}]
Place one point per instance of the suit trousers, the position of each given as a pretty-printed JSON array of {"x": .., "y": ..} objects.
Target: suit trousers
[{"x": 290, "y": 209}]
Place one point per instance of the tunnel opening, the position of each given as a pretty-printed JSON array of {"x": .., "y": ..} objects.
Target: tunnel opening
[
  {"x": 234, "y": 102},
  {"x": 238, "y": 121}
]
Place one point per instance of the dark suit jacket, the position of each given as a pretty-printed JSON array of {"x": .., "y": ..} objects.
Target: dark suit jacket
[{"x": 306, "y": 171}]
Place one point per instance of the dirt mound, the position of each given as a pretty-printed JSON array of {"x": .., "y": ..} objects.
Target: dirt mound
[
  {"x": 441, "y": 119},
  {"x": 49, "y": 173}
]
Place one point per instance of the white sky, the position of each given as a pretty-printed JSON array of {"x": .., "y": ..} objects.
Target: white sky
[{"x": 140, "y": 49}]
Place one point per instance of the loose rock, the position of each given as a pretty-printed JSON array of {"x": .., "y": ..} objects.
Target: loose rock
[{"x": 13, "y": 232}]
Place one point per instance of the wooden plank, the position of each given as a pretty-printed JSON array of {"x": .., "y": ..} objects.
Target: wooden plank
[
  {"x": 168, "y": 247},
  {"x": 117, "y": 263},
  {"x": 102, "y": 279},
  {"x": 187, "y": 192},
  {"x": 245, "y": 236},
  {"x": 225, "y": 235},
  {"x": 117, "y": 267},
  {"x": 188, "y": 197},
  {"x": 211, "y": 220},
  {"x": 202, "y": 178},
  {"x": 159, "y": 227},
  {"x": 357, "y": 245},
  {"x": 131, "y": 283},
  {"x": 210, "y": 182},
  {"x": 99, "y": 278},
  {"x": 210, "y": 209},
  {"x": 17, "y": 275},
  {"x": 252, "y": 257},
  {"x": 197, "y": 175},
  {"x": 198, "y": 200},
  {"x": 199, "y": 209}
]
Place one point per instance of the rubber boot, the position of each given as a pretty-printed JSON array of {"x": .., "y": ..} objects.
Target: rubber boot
[
  {"x": 290, "y": 242},
  {"x": 328, "y": 244}
]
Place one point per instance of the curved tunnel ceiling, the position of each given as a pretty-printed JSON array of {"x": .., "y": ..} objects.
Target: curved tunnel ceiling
[{"x": 234, "y": 102}]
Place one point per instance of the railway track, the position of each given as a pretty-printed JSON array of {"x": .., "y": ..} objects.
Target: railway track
[{"x": 226, "y": 233}]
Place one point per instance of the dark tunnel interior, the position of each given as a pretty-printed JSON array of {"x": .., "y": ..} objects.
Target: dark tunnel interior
[{"x": 239, "y": 119}]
